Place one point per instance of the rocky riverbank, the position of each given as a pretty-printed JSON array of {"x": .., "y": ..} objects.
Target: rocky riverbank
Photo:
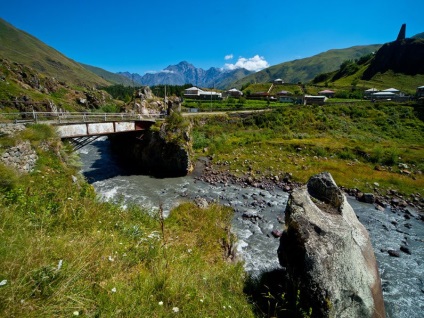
[{"x": 215, "y": 174}]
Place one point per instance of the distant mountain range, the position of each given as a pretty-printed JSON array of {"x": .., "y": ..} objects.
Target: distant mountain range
[
  {"x": 186, "y": 73},
  {"x": 302, "y": 70}
]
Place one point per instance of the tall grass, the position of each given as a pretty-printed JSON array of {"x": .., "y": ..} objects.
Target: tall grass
[{"x": 64, "y": 253}]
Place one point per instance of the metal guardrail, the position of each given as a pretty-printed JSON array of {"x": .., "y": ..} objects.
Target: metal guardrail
[{"x": 71, "y": 117}]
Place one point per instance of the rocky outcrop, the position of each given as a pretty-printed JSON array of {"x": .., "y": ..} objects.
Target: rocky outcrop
[
  {"x": 163, "y": 153},
  {"x": 328, "y": 254},
  {"x": 160, "y": 157},
  {"x": 403, "y": 56}
]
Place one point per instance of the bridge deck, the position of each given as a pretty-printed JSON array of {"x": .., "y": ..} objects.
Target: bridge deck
[{"x": 75, "y": 125}]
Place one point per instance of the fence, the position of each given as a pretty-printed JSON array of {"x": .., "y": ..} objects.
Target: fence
[{"x": 71, "y": 117}]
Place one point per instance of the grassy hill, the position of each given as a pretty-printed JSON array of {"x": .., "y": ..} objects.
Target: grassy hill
[
  {"x": 21, "y": 47},
  {"x": 304, "y": 70},
  {"x": 109, "y": 76},
  {"x": 396, "y": 64}
]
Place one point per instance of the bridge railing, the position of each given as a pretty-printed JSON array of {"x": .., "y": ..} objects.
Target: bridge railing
[{"x": 70, "y": 117}]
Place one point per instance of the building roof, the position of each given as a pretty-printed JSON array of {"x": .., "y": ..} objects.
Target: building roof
[
  {"x": 390, "y": 90},
  {"x": 209, "y": 93},
  {"x": 314, "y": 96},
  {"x": 420, "y": 87},
  {"x": 372, "y": 90},
  {"x": 383, "y": 93},
  {"x": 284, "y": 93},
  {"x": 326, "y": 91},
  {"x": 233, "y": 90}
]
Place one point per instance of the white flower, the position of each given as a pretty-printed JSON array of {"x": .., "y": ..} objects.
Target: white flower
[
  {"x": 175, "y": 309},
  {"x": 3, "y": 282},
  {"x": 160, "y": 303},
  {"x": 76, "y": 313},
  {"x": 110, "y": 258},
  {"x": 114, "y": 290},
  {"x": 201, "y": 300}
]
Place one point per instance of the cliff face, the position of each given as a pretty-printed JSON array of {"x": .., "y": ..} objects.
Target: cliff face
[
  {"x": 328, "y": 254},
  {"x": 403, "y": 56},
  {"x": 155, "y": 153}
]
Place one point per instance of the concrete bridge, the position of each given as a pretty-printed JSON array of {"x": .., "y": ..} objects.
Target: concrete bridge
[{"x": 83, "y": 128}]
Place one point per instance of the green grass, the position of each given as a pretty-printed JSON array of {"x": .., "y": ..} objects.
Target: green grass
[{"x": 349, "y": 141}]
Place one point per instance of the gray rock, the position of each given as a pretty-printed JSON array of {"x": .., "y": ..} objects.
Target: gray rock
[
  {"x": 328, "y": 254},
  {"x": 201, "y": 202},
  {"x": 393, "y": 253},
  {"x": 368, "y": 198}
]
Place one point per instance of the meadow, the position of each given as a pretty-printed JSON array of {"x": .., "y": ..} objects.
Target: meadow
[{"x": 362, "y": 144}]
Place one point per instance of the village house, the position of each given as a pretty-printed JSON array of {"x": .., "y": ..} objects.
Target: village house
[
  {"x": 420, "y": 92},
  {"x": 390, "y": 94},
  {"x": 278, "y": 81},
  {"x": 327, "y": 93},
  {"x": 368, "y": 93},
  {"x": 234, "y": 92},
  {"x": 197, "y": 93},
  {"x": 286, "y": 99},
  {"x": 314, "y": 100}
]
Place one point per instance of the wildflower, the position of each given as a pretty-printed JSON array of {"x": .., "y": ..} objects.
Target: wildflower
[
  {"x": 160, "y": 303},
  {"x": 3, "y": 282},
  {"x": 114, "y": 290},
  {"x": 175, "y": 309},
  {"x": 110, "y": 258},
  {"x": 201, "y": 300},
  {"x": 59, "y": 265},
  {"x": 76, "y": 313},
  {"x": 189, "y": 250}
]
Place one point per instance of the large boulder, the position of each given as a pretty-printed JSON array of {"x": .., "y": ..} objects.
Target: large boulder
[{"x": 328, "y": 254}]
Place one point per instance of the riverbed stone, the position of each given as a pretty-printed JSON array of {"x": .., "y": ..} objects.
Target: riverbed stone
[{"x": 328, "y": 254}]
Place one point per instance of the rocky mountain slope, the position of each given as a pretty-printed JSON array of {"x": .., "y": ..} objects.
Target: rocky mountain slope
[
  {"x": 25, "y": 89},
  {"x": 396, "y": 64},
  {"x": 405, "y": 56}
]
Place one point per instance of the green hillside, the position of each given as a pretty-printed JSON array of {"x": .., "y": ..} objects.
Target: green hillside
[
  {"x": 306, "y": 69},
  {"x": 21, "y": 47},
  {"x": 109, "y": 76},
  {"x": 396, "y": 64}
]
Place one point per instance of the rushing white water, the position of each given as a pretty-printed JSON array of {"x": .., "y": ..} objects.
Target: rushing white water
[{"x": 402, "y": 278}]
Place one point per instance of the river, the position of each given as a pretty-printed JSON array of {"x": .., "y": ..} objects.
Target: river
[{"x": 258, "y": 212}]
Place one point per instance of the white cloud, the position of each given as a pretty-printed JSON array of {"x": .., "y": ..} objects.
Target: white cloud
[
  {"x": 228, "y": 57},
  {"x": 255, "y": 64},
  {"x": 167, "y": 71}
]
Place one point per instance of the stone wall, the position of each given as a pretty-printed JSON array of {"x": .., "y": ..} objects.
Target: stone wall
[{"x": 21, "y": 157}]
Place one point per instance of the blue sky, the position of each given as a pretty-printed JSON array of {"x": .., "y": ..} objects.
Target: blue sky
[{"x": 147, "y": 36}]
